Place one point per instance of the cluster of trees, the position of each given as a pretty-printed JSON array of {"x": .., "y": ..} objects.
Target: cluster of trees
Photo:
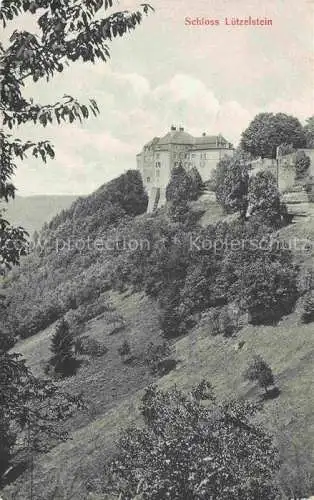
[
  {"x": 189, "y": 269},
  {"x": 44, "y": 288},
  {"x": 192, "y": 446},
  {"x": 256, "y": 195}
]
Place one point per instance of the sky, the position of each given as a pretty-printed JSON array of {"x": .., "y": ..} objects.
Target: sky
[{"x": 211, "y": 79}]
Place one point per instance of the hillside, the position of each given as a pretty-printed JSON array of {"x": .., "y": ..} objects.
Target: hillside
[
  {"x": 31, "y": 212},
  {"x": 93, "y": 288}
]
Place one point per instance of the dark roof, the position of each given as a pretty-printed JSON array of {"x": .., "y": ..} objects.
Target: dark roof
[
  {"x": 177, "y": 137},
  {"x": 152, "y": 142},
  {"x": 183, "y": 138},
  {"x": 210, "y": 139}
]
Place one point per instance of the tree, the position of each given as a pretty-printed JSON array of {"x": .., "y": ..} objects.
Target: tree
[
  {"x": 267, "y": 131},
  {"x": 179, "y": 187},
  {"x": 264, "y": 199},
  {"x": 62, "y": 348},
  {"x": 197, "y": 184},
  {"x": 68, "y": 31},
  {"x": 268, "y": 288},
  {"x": 124, "y": 349},
  {"x": 309, "y": 132},
  {"x": 231, "y": 184},
  {"x": 29, "y": 406},
  {"x": 192, "y": 450},
  {"x": 302, "y": 165},
  {"x": 260, "y": 371}
]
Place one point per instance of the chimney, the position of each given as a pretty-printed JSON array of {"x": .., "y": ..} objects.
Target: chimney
[
  {"x": 204, "y": 134},
  {"x": 173, "y": 127},
  {"x": 181, "y": 129}
]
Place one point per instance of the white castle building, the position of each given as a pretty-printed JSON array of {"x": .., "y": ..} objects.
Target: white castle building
[{"x": 160, "y": 155}]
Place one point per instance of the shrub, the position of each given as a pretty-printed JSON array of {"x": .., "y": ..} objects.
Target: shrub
[
  {"x": 192, "y": 450},
  {"x": 302, "y": 165},
  {"x": 214, "y": 321},
  {"x": 6, "y": 341},
  {"x": 260, "y": 371},
  {"x": 62, "y": 347},
  {"x": 157, "y": 359},
  {"x": 183, "y": 186},
  {"x": 221, "y": 321},
  {"x": 197, "y": 184},
  {"x": 264, "y": 199},
  {"x": 308, "y": 308},
  {"x": 231, "y": 185},
  {"x": 170, "y": 321},
  {"x": 89, "y": 347},
  {"x": 124, "y": 349}
]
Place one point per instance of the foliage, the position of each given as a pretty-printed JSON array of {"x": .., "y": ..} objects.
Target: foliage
[
  {"x": 157, "y": 358},
  {"x": 183, "y": 185},
  {"x": 62, "y": 348},
  {"x": 127, "y": 192},
  {"x": 302, "y": 165},
  {"x": 74, "y": 246},
  {"x": 264, "y": 199},
  {"x": 260, "y": 371},
  {"x": 197, "y": 184},
  {"x": 89, "y": 347},
  {"x": 309, "y": 132},
  {"x": 267, "y": 131},
  {"x": 67, "y": 31},
  {"x": 231, "y": 184},
  {"x": 124, "y": 349},
  {"x": 6, "y": 341},
  {"x": 29, "y": 404},
  {"x": 193, "y": 450},
  {"x": 308, "y": 308}
]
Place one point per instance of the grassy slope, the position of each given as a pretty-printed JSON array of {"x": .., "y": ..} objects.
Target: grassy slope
[{"x": 116, "y": 388}]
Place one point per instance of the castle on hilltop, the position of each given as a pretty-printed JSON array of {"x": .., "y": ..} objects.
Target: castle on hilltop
[{"x": 160, "y": 155}]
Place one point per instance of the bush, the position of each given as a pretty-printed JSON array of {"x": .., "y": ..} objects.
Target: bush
[
  {"x": 302, "y": 165},
  {"x": 264, "y": 200},
  {"x": 308, "y": 308},
  {"x": 221, "y": 321},
  {"x": 170, "y": 322},
  {"x": 260, "y": 371},
  {"x": 184, "y": 186},
  {"x": 156, "y": 357},
  {"x": 6, "y": 341},
  {"x": 62, "y": 347},
  {"x": 231, "y": 185},
  {"x": 191, "y": 450},
  {"x": 124, "y": 349},
  {"x": 89, "y": 347}
]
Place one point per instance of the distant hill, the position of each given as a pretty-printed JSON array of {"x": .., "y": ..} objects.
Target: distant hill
[{"x": 31, "y": 212}]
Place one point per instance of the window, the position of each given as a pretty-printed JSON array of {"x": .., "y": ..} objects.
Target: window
[
  {"x": 174, "y": 155},
  {"x": 157, "y": 155},
  {"x": 202, "y": 163},
  {"x": 193, "y": 155},
  {"x": 158, "y": 164},
  {"x": 157, "y": 173},
  {"x": 147, "y": 179}
]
